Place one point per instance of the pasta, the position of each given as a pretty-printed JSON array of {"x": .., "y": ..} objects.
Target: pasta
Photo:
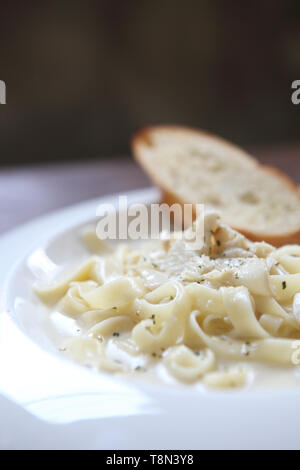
[{"x": 203, "y": 315}]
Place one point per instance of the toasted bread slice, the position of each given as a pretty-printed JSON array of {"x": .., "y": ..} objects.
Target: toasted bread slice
[{"x": 192, "y": 166}]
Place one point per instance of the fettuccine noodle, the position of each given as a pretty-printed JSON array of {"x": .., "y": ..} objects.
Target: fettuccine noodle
[{"x": 164, "y": 303}]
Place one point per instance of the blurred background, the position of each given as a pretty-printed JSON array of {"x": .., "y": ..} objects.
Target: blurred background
[{"x": 82, "y": 76}]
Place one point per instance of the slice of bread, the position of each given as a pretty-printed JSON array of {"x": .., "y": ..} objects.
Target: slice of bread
[{"x": 192, "y": 166}]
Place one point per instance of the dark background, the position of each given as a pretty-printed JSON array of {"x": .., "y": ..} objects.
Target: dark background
[{"x": 82, "y": 76}]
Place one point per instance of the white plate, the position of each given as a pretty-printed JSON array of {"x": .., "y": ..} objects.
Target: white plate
[{"x": 98, "y": 410}]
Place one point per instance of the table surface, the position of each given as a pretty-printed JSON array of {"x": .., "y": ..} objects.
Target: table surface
[{"x": 26, "y": 193}]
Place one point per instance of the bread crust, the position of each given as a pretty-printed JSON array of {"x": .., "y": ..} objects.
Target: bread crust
[{"x": 144, "y": 137}]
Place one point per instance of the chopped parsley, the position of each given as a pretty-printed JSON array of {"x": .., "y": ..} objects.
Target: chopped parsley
[
  {"x": 283, "y": 285},
  {"x": 116, "y": 334}
]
